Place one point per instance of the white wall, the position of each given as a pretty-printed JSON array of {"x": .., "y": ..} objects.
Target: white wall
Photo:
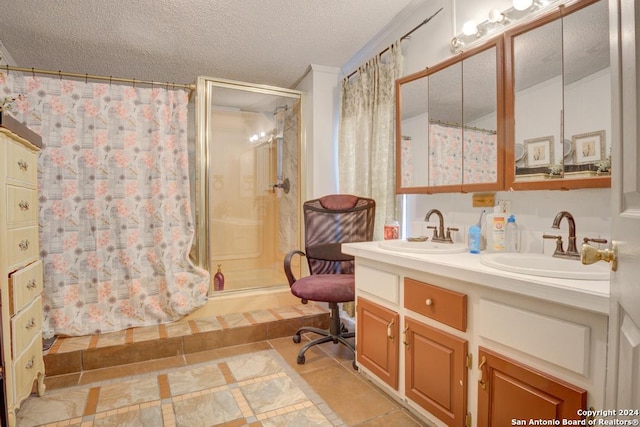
[
  {"x": 428, "y": 46},
  {"x": 320, "y": 135}
]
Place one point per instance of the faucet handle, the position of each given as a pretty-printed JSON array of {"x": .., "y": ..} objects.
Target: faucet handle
[
  {"x": 586, "y": 240},
  {"x": 449, "y": 230},
  {"x": 435, "y": 231},
  {"x": 558, "y": 239}
]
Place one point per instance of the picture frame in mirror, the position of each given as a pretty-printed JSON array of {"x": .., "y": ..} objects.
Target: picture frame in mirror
[
  {"x": 588, "y": 147},
  {"x": 539, "y": 151}
]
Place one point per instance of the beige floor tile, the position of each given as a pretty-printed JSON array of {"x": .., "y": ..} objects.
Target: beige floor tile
[
  {"x": 146, "y": 333},
  {"x": 399, "y": 418},
  {"x": 219, "y": 353},
  {"x": 69, "y": 344},
  {"x": 340, "y": 387},
  {"x": 123, "y": 371},
  {"x": 262, "y": 316},
  {"x": 178, "y": 329},
  {"x": 111, "y": 338}
]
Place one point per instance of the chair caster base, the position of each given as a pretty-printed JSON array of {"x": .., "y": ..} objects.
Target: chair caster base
[
  {"x": 355, "y": 366},
  {"x": 296, "y": 339},
  {"x": 300, "y": 360}
]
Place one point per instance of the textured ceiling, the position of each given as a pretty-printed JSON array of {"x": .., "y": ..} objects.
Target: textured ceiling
[{"x": 269, "y": 42}]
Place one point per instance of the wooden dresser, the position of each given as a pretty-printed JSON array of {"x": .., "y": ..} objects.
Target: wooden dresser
[{"x": 21, "y": 279}]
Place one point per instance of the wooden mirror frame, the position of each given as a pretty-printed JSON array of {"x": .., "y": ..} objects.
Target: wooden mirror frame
[
  {"x": 509, "y": 84},
  {"x": 498, "y": 43}
]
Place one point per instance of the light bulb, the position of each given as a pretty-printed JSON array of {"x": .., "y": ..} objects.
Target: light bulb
[
  {"x": 522, "y": 4},
  {"x": 496, "y": 16},
  {"x": 469, "y": 28}
]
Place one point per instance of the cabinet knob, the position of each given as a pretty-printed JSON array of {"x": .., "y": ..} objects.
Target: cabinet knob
[
  {"x": 30, "y": 363},
  {"x": 31, "y": 324},
  {"x": 23, "y": 165},
  {"x": 23, "y": 205},
  {"x": 31, "y": 284},
  {"x": 429, "y": 302},
  {"x": 23, "y": 245}
]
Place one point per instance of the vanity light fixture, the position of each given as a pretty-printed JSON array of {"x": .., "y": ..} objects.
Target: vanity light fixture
[
  {"x": 470, "y": 28},
  {"x": 496, "y": 16},
  {"x": 496, "y": 21},
  {"x": 522, "y": 4}
]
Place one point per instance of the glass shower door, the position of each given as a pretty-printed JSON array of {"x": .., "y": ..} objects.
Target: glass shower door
[{"x": 249, "y": 138}]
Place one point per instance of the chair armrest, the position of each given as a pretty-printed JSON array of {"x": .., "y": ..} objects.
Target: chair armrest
[{"x": 287, "y": 265}]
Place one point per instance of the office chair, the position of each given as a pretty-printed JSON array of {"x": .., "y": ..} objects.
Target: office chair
[{"x": 330, "y": 221}]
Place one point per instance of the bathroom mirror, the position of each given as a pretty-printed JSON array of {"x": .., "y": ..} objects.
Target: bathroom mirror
[
  {"x": 448, "y": 125},
  {"x": 558, "y": 88}
]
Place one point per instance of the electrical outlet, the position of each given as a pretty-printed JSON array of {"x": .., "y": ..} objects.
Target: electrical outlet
[{"x": 505, "y": 205}]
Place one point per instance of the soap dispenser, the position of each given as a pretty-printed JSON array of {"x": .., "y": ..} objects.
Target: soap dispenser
[{"x": 475, "y": 236}]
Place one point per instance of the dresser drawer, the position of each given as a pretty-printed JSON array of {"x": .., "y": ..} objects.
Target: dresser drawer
[
  {"x": 26, "y": 369},
  {"x": 443, "y": 305},
  {"x": 24, "y": 285},
  {"x": 26, "y": 325},
  {"x": 22, "y": 246},
  {"x": 22, "y": 206},
  {"x": 22, "y": 164}
]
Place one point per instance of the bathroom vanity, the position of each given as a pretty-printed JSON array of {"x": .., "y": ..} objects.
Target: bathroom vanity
[{"x": 464, "y": 344}]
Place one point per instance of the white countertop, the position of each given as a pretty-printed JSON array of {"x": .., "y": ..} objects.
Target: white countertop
[{"x": 590, "y": 295}]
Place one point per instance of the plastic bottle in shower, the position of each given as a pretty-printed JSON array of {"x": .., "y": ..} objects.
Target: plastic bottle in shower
[{"x": 218, "y": 280}]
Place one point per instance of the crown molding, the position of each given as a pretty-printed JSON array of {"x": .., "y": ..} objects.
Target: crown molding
[{"x": 5, "y": 57}]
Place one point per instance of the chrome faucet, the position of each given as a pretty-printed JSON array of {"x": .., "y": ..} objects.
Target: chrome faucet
[
  {"x": 438, "y": 232},
  {"x": 571, "y": 252}
]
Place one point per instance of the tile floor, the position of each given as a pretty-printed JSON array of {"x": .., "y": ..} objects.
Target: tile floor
[{"x": 166, "y": 390}]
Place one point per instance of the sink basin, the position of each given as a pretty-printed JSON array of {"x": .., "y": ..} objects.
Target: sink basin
[
  {"x": 546, "y": 266},
  {"x": 422, "y": 247}
]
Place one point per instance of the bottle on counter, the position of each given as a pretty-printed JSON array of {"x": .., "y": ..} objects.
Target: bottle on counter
[
  {"x": 391, "y": 229},
  {"x": 218, "y": 280},
  {"x": 475, "y": 236},
  {"x": 512, "y": 235},
  {"x": 496, "y": 224}
]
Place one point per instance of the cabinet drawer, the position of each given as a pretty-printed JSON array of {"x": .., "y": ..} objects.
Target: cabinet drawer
[
  {"x": 22, "y": 246},
  {"x": 26, "y": 369},
  {"x": 380, "y": 283},
  {"x": 443, "y": 305},
  {"x": 26, "y": 325},
  {"x": 22, "y": 206},
  {"x": 22, "y": 164},
  {"x": 24, "y": 286}
]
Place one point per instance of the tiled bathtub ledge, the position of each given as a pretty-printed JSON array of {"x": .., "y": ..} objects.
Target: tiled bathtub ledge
[{"x": 77, "y": 354}]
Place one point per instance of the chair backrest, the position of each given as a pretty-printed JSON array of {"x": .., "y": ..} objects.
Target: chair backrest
[{"x": 330, "y": 221}]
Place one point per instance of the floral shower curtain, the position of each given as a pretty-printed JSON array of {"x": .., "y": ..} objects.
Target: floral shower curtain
[
  {"x": 115, "y": 216},
  {"x": 366, "y": 162},
  {"x": 451, "y": 147}
]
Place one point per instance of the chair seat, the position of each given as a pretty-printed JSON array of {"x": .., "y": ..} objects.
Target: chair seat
[{"x": 325, "y": 287}]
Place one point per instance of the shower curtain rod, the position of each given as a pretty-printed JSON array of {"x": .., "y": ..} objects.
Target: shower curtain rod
[
  {"x": 458, "y": 125},
  {"x": 190, "y": 87},
  {"x": 406, "y": 36}
]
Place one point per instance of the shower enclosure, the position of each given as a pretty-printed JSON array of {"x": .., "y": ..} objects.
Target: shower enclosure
[{"x": 247, "y": 181}]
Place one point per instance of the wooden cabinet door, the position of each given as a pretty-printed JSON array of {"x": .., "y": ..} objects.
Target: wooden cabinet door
[
  {"x": 510, "y": 391},
  {"x": 436, "y": 371},
  {"x": 377, "y": 339}
]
